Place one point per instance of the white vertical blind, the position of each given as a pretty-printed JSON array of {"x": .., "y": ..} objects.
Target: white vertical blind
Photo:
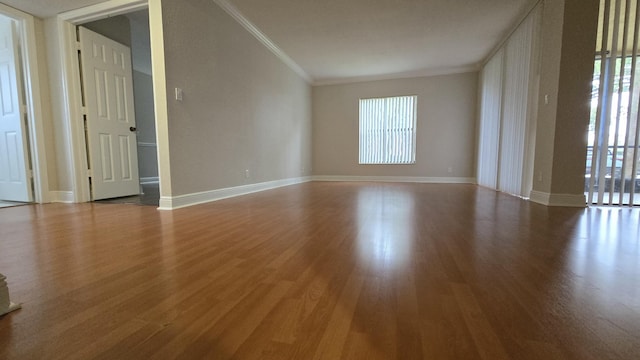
[
  {"x": 614, "y": 134},
  {"x": 490, "y": 114},
  {"x": 507, "y": 100},
  {"x": 388, "y": 130},
  {"x": 514, "y": 134}
]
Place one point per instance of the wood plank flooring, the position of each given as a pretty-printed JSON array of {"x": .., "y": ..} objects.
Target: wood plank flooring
[{"x": 324, "y": 271}]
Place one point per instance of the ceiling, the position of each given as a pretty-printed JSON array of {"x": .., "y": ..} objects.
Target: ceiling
[
  {"x": 47, "y": 8},
  {"x": 338, "y": 40}
]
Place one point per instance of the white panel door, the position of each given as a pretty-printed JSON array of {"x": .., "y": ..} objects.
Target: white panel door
[
  {"x": 111, "y": 138},
  {"x": 15, "y": 182}
]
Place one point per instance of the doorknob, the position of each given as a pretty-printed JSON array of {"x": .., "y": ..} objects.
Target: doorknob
[{"x": 132, "y": 129}]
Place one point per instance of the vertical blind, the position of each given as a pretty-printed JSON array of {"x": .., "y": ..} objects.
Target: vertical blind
[
  {"x": 612, "y": 177},
  {"x": 489, "y": 132},
  {"x": 516, "y": 104},
  {"x": 388, "y": 130},
  {"x": 507, "y": 99}
]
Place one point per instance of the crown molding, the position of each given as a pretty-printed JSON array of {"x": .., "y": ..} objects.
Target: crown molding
[
  {"x": 260, "y": 36},
  {"x": 402, "y": 75}
]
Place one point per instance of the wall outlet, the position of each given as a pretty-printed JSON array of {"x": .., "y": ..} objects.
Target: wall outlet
[
  {"x": 449, "y": 169},
  {"x": 246, "y": 174}
]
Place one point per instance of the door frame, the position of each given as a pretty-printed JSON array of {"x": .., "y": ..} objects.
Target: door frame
[
  {"x": 72, "y": 92},
  {"x": 35, "y": 116}
]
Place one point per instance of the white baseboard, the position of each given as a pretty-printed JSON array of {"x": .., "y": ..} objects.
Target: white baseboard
[
  {"x": 566, "y": 200},
  {"x": 180, "y": 201},
  {"x": 61, "y": 197},
  {"x": 149, "y": 180},
  {"x": 406, "y": 179}
]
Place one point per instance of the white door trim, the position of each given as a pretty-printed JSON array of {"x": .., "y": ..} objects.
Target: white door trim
[
  {"x": 27, "y": 29},
  {"x": 102, "y": 10},
  {"x": 71, "y": 89}
]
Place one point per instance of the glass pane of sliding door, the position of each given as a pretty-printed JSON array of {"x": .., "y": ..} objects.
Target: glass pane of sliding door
[
  {"x": 611, "y": 165},
  {"x": 612, "y": 175}
]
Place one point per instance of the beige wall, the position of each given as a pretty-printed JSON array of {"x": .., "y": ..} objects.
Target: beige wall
[
  {"x": 47, "y": 121},
  {"x": 549, "y": 72},
  {"x": 445, "y": 126},
  {"x": 242, "y": 108},
  {"x": 140, "y": 41},
  {"x": 64, "y": 177},
  {"x": 574, "y": 95},
  {"x": 568, "y": 48},
  {"x": 145, "y": 123},
  {"x": 116, "y": 28}
]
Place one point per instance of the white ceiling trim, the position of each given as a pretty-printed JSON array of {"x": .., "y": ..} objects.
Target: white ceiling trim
[
  {"x": 404, "y": 75},
  {"x": 13, "y": 12},
  {"x": 253, "y": 30}
]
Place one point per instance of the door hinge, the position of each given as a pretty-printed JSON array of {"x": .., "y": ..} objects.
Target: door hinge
[
  {"x": 30, "y": 173},
  {"x": 89, "y": 173},
  {"x": 84, "y": 110},
  {"x": 78, "y": 45}
]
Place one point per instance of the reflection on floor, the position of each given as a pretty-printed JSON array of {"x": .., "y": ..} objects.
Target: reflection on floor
[
  {"x": 150, "y": 196},
  {"x": 615, "y": 198},
  {"x": 4, "y": 204}
]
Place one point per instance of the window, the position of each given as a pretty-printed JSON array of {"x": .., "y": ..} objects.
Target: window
[{"x": 388, "y": 130}]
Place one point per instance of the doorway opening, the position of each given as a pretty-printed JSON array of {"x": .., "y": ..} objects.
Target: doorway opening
[{"x": 131, "y": 155}]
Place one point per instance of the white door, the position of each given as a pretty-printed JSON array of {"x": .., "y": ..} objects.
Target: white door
[
  {"x": 111, "y": 138},
  {"x": 15, "y": 182}
]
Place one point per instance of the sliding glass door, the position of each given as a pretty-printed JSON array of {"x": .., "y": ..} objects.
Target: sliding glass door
[{"x": 612, "y": 175}]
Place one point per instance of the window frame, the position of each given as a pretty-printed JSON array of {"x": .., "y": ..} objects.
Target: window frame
[{"x": 386, "y": 158}]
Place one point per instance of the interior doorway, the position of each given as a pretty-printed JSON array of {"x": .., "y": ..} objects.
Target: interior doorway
[
  {"x": 71, "y": 94},
  {"x": 132, "y": 31}
]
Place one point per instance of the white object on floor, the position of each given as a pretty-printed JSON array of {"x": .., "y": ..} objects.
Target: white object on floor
[{"x": 6, "y": 306}]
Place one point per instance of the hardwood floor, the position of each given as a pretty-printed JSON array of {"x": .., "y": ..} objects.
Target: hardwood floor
[{"x": 324, "y": 271}]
